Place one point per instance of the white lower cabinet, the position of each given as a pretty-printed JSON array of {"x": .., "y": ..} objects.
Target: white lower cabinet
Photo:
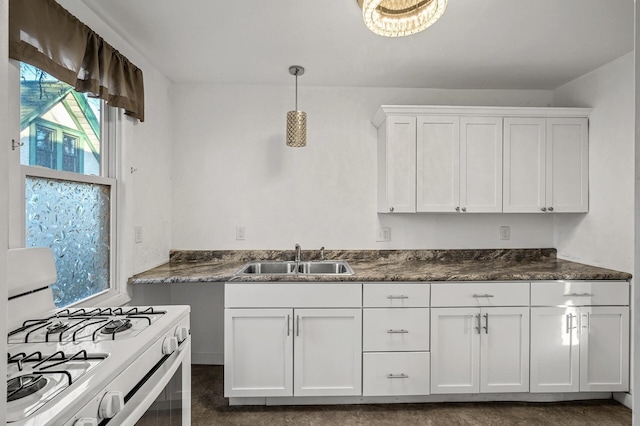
[
  {"x": 395, "y": 373},
  {"x": 579, "y": 349},
  {"x": 293, "y": 352},
  {"x": 479, "y": 350},
  {"x": 293, "y": 339}
]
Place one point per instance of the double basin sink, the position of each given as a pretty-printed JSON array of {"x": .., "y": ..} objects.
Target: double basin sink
[{"x": 322, "y": 267}]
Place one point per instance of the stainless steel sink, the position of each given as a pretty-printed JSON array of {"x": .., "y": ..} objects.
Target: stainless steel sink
[{"x": 324, "y": 267}]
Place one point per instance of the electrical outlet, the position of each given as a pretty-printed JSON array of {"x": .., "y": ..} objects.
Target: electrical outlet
[
  {"x": 138, "y": 231},
  {"x": 383, "y": 234},
  {"x": 505, "y": 232},
  {"x": 240, "y": 233}
]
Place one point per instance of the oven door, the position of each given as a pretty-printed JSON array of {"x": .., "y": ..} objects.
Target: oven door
[{"x": 165, "y": 398}]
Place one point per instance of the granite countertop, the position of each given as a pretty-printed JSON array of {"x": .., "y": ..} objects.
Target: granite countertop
[{"x": 188, "y": 266}]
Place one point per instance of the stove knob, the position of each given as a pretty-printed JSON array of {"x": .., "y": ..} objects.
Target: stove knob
[
  {"x": 111, "y": 404},
  {"x": 85, "y": 421},
  {"x": 169, "y": 345},
  {"x": 182, "y": 332}
]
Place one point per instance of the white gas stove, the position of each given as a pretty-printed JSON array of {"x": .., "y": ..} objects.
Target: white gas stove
[{"x": 91, "y": 366}]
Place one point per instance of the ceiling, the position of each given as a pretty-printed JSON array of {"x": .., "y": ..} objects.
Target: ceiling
[{"x": 478, "y": 44}]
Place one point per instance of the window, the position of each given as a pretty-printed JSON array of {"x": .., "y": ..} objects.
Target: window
[{"x": 69, "y": 194}]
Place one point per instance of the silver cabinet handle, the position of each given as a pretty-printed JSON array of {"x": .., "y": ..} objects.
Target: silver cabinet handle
[
  {"x": 550, "y": 209},
  {"x": 391, "y": 209},
  {"x": 586, "y": 322},
  {"x": 579, "y": 295},
  {"x": 464, "y": 209},
  {"x": 477, "y": 296},
  {"x": 479, "y": 325},
  {"x": 399, "y": 296},
  {"x": 568, "y": 321},
  {"x": 298, "y": 325},
  {"x": 544, "y": 209},
  {"x": 288, "y": 328},
  {"x": 486, "y": 323},
  {"x": 397, "y": 376},
  {"x": 401, "y": 331}
]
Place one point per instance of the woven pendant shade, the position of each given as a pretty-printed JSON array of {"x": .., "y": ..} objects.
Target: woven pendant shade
[
  {"x": 398, "y": 18},
  {"x": 296, "y": 129},
  {"x": 296, "y": 120}
]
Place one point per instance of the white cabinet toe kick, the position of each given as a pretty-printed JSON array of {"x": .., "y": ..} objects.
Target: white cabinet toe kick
[{"x": 387, "y": 342}]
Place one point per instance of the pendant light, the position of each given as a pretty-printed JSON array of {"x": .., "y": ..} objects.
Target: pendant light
[
  {"x": 398, "y": 18},
  {"x": 296, "y": 120}
]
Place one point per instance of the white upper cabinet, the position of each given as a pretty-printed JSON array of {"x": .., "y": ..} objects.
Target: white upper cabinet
[
  {"x": 481, "y": 164},
  {"x": 397, "y": 165},
  {"x": 438, "y": 166},
  {"x": 546, "y": 165},
  {"x": 482, "y": 159}
]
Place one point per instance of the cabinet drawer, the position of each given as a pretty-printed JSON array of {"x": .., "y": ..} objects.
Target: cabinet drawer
[
  {"x": 388, "y": 329},
  {"x": 480, "y": 294},
  {"x": 579, "y": 293},
  {"x": 396, "y": 295},
  {"x": 292, "y": 295},
  {"x": 395, "y": 373}
]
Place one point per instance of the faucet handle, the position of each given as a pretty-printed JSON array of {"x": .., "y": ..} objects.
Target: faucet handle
[{"x": 322, "y": 253}]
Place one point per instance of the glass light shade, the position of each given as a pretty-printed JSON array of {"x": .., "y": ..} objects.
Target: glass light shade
[
  {"x": 296, "y": 129},
  {"x": 398, "y": 18}
]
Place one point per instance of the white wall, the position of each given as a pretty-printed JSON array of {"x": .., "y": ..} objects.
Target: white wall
[
  {"x": 4, "y": 193},
  {"x": 231, "y": 168},
  {"x": 144, "y": 194},
  {"x": 604, "y": 236}
]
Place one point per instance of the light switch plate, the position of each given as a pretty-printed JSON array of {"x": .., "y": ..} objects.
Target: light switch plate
[
  {"x": 138, "y": 231},
  {"x": 505, "y": 232},
  {"x": 240, "y": 233}
]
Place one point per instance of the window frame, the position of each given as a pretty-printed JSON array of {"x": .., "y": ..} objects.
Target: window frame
[{"x": 111, "y": 155}]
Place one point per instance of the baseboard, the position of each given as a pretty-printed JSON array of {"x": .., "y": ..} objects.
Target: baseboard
[
  {"x": 624, "y": 398},
  {"x": 498, "y": 397},
  {"x": 207, "y": 358}
]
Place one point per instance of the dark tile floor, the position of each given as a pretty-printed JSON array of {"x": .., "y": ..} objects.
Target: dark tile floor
[{"x": 209, "y": 407}]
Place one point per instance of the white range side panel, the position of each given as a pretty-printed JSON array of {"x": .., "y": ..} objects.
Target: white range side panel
[
  {"x": 399, "y": 147},
  {"x": 455, "y": 344},
  {"x": 504, "y": 350},
  {"x": 604, "y": 349},
  {"x": 438, "y": 164},
  {"x": 328, "y": 352},
  {"x": 524, "y": 165},
  {"x": 555, "y": 351},
  {"x": 567, "y": 169},
  {"x": 481, "y": 164},
  {"x": 258, "y": 357}
]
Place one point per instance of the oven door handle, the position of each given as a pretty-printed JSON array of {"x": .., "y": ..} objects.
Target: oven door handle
[{"x": 140, "y": 402}]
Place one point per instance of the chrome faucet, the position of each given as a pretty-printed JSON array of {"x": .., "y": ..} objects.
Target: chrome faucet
[
  {"x": 298, "y": 252},
  {"x": 322, "y": 254}
]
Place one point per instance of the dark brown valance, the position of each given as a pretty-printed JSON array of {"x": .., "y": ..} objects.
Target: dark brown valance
[{"x": 44, "y": 34}]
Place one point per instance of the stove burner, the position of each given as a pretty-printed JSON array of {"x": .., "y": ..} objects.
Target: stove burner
[
  {"x": 26, "y": 385},
  {"x": 116, "y": 326},
  {"x": 57, "y": 327}
]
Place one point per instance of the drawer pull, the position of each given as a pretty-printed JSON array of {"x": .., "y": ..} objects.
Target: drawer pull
[
  {"x": 401, "y": 331},
  {"x": 397, "y": 376},
  {"x": 579, "y": 295},
  {"x": 400, "y": 296},
  {"x": 477, "y": 296}
]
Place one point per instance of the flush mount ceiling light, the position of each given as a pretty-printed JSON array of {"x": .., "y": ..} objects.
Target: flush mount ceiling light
[
  {"x": 398, "y": 18},
  {"x": 296, "y": 120}
]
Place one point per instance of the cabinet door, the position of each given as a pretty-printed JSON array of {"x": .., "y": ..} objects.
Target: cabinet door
[
  {"x": 397, "y": 165},
  {"x": 328, "y": 352},
  {"x": 258, "y": 352},
  {"x": 438, "y": 164},
  {"x": 481, "y": 164},
  {"x": 524, "y": 165},
  {"x": 604, "y": 349},
  {"x": 554, "y": 350},
  {"x": 455, "y": 345},
  {"x": 567, "y": 165},
  {"x": 504, "y": 350}
]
